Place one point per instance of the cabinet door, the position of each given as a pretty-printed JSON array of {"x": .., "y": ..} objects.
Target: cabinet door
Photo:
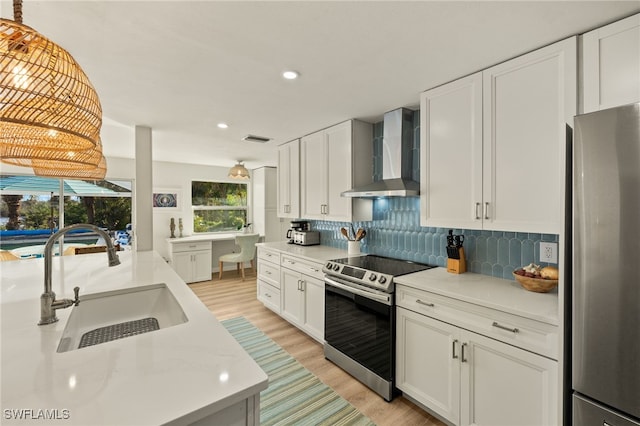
[
  {"x": 289, "y": 180},
  {"x": 611, "y": 65},
  {"x": 504, "y": 385},
  {"x": 528, "y": 102},
  {"x": 201, "y": 264},
  {"x": 314, "y": 307},
  {"x": 314, "y": 174},
  {"x": 338, "y": 159},
  {"x": 427, "y": 362},
  {"x": 451, "y": 154},
  {"x": 182, "y": 266},
  {"x": 292, "y": 303}
]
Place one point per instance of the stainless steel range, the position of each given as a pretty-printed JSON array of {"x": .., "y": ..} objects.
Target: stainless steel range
[{"x": 359, "y": 328}]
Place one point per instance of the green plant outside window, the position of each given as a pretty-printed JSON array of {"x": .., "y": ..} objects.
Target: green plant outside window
[{"x": 218, "y": 206}]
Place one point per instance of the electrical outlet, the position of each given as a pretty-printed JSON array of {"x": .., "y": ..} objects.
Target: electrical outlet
[{"x": 549, "y": 252}]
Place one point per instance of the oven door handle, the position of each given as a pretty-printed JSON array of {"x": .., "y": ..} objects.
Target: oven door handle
[{"x": 382, "y": 298}]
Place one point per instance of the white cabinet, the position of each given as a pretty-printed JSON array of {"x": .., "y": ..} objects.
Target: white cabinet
[
  {"x": 269, "y": 278},
  {"x": 302, "y": 295},
  {"x": 427, "y": 369},
  {"x": 611, "y": 65},
  {"x": 491, "y": 140},
  {"x": 191, "y": 260},
  {"x": 473, "y": 365},
  {"x": 264, "y": 206},
  {"x": 451, "y": 154},
  {"x": 333, "y": 161},
  {"x": 289, "y": 180}
]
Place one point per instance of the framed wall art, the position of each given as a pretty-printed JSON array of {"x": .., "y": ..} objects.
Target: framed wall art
[{"x": 166, "y": 199}]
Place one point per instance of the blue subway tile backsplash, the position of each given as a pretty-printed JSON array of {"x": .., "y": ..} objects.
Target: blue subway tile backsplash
[{"x": 395, "y": 230}]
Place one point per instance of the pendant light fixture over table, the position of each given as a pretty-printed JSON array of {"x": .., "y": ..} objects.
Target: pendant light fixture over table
[
  {"x": 50, "y": 114},
  {"x": 239, "y": 171}
]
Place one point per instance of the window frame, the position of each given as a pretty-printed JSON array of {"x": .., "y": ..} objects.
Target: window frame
[{"x": 195, "y": 208}]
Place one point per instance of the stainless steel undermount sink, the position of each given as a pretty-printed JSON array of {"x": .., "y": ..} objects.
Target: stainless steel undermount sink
[{"x": 113, "y": 315}]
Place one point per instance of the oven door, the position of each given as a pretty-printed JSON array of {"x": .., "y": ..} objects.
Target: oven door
[{"x": 360, "y": 324}]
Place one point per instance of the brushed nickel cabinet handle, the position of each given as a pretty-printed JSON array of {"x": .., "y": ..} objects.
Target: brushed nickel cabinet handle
[
  {"x": 453, "y": 349},
  {"x": 502, "y": 327},
  {"x": 486, "y": 210},
  {"x": 463, "y": 359},
  {"x": 477, "y": 208},
  {"x": 431, "y": 305}
]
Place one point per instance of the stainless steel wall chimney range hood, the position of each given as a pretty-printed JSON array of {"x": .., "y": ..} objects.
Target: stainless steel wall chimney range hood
[{"x": 397, "y": 143}]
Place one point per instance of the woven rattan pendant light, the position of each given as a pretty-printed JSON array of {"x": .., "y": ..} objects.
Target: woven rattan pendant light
[
  {"x": 239, "y": 171},
  {"x": 97, "y": 173},
  {"x": 48, "y": 107}
]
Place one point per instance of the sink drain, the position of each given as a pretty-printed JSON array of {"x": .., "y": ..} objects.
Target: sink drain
[{"x": 118, "y": 331}]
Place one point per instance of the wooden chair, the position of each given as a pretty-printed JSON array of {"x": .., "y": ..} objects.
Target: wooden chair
[{"x": 247, "y": 243}]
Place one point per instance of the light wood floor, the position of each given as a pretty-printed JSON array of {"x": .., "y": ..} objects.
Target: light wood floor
[{"x": 231, "y": 297}]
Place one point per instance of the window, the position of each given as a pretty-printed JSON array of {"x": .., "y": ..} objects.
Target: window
[
  {"x": 29, "y": 211},
  {"x": 218, "y": 206}
]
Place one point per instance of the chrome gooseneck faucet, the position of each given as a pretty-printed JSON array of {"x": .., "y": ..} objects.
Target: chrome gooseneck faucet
[{"x": 48, "y": 302}]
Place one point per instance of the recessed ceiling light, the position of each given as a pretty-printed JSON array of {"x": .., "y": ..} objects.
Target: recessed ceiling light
[
  {"x": 223, "y": 125},
  {"x": 290, "y": 75}
]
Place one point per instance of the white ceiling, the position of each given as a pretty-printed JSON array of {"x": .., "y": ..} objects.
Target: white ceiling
[{"x": 181, "y": 67}]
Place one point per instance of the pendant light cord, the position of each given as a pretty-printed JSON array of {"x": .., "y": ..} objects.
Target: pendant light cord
[{"x": 17, "y": 11}]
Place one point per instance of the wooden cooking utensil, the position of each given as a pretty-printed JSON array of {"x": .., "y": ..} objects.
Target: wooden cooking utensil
[
  {"x": 360, "y": 234},
  {"x": 344, "y": 232}
]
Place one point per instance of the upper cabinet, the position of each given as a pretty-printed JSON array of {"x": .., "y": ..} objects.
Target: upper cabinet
[
  {"x": 611, "y": 65},
  {"x": 493, "y": 144},
  {"x": 451, "y": 154},
  {"x": 332, "y": 161},
  {"x": 289, "y": 180}
]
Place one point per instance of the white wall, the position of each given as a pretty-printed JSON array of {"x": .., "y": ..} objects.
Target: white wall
[{"x": 178, "y": 176}]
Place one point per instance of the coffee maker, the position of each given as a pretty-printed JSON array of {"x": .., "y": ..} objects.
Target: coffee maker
[{"x": 296, "y": 225}]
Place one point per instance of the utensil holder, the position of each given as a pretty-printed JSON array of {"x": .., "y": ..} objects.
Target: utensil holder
[
  {"x": 457, "y": 266},
  {"x": 353, "y": 248}
]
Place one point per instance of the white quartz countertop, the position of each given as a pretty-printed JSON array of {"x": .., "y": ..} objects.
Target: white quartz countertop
[
  {"x": 318, "y": 253},
  {"x": 175, "y": 375},
  {"x": 500, "y": 294}
]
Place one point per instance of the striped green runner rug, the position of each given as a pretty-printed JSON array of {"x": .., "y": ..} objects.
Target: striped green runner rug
[{"x": 295, "y": 396}]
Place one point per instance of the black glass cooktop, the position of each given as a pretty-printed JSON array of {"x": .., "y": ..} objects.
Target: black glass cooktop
[{"x": 383, "y": 265}]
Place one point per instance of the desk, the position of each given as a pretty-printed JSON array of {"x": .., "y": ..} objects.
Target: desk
[{"x": 192, "y": 257}]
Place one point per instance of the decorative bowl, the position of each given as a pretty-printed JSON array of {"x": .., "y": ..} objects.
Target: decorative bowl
[{"x": 539, "y": 285}]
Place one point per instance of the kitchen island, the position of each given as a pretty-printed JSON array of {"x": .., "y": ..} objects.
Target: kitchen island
[{"x": 190, "y": 373}]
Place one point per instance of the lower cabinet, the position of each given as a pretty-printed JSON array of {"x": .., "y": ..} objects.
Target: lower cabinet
[
  {"x": 302, "y": 296},
  {"x": 469, "y": 379},
  {"x": 269, "y": 279},
  {"x": 192, "y": 261}
]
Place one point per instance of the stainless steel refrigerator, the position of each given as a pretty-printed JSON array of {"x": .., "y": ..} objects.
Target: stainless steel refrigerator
[{"x": 606, "y": 268}]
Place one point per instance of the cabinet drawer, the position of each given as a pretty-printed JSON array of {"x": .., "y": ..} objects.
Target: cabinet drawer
[
  {"x": 269, "y": 272},
  {"x": 268, "y": 255},
  {"x": 303, "y": 266},
  {"x": 521, "y": 332},
  {"x": 269, "y": 295},
  {"x": 199, "y": 245}
]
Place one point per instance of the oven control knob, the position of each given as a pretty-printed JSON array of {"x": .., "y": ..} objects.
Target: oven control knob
[
  {"x": 336, "y": 267},
  {"x": 372, "y": 277},
  {"x": 329, "y": 265},
  {"x": 382, "y": 280}
]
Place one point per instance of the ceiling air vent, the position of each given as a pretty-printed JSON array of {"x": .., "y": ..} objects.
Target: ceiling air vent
[{"x": 254, "y": 138}]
